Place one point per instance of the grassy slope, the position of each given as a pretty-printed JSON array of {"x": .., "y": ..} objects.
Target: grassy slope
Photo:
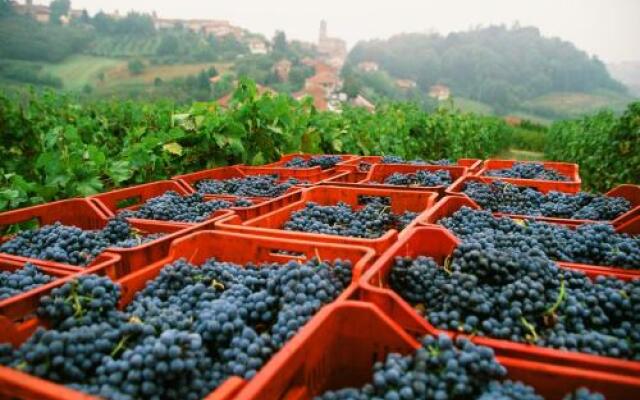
[
  {"x": 576, "y": 104},
  {"x": 522, "y": 155},
  {"x": 79, "y": 70},
  {"x": 468, "y": 105}
]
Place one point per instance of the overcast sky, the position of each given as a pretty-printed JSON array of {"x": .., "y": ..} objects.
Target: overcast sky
[{"x": 609, "y": 29}]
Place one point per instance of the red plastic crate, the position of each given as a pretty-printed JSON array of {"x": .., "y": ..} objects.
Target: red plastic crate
[
  {"x": 438, "y": 243},
  {"x": 629, "y": 192},
  {"x": 348, "y": 338},
  {"x": 86, "y": 215},
  {"x": 197, "y": 248},
  {"x": 449, "y": 205},
  {"x": 12, "y": 306},
  {"x": 365, "y": 163},
  {"x": 345, "y": 178},
  {"x": 379, "y": 172},
  {"x": 189, "y": 181},
  {"x": 241, "y": 248},
  {"x": 567, "y": 169},
  {"x": 110, "y": 203},
  {"x": 288, "y": 157},
  {"x": 17, "y": 320},
  {"x": 268, "y": 218}
]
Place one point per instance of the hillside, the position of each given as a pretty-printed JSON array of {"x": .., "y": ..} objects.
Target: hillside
[
  {"x": 142, "y": 56},
  {"x": 575, "y": 104},
  {"x": 499, "y": 66}
]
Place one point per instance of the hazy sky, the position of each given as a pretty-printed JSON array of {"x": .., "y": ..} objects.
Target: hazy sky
[{"x": 607, "y": 28}]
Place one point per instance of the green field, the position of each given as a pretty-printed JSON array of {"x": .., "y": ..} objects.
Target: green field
[
  {"x": 568, "y": 104},
  {"x": 79, "y": 70},
  {"x": 522, "y": 155},
  {"x": 468, "y": 105},
  {"x": 533, "y": 118},
  {"x": 124, "y": 46}
]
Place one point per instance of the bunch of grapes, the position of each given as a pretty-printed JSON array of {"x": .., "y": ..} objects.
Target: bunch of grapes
[
  {"x": 21, "y": 280},
  {"x": 528, "y": 171},
  {"x": 72, "y": 245},
  {"x": 506, "y": 198},
  {"x": 183, "y": 334},
  {"x": 420, "y": 178},
  {"x": 594, "y": 243},
  {"x": 498, "y": 286},
  {"x": 323, "y": 161},
  {"x": 250, "y": 186},
  {"x": 440, "y": 369},
  {"x": 371, "y": 221},
  {"x": 171, "y": 206}
]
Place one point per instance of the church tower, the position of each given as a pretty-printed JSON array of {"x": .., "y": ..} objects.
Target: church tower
[{"x": 323, "y": 30}]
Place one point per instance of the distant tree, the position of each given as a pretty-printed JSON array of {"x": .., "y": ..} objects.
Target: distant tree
[
  {"x": 87, "y": 89},
  {"x": 352, "y": 86},
  {"x": 136, "y": 24},
  {"x": 24, "y": 38},
  {"x": 212, "y": 71},
  {"x": 169, "y": 45},
  {"x": 157, "y": 81},
  {"x": 280, "y": 43},
  {"x": 58, "y": 8},
  {"x": 136, "y": 67},
  {"x": 299, "y": 74},
  {"x": 203, "y": 80},
  {"x": 101, "y": 76},
  {"x": 84, "y": 17},
  {"x": 5, "y": 8},
  {"x": 103, "y": 23},
  {"x": 497, "y": 64}
]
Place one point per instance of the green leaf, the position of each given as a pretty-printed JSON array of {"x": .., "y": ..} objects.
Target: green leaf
[
  {"x": 220, "y": 140},
  {"x": 236, "y": 146},
  {"x": 258, "y": 159},
  {"x": 89, "y": 186},
  {"x": 119, "y": 171},
  {"x": 173, "y": 148}
]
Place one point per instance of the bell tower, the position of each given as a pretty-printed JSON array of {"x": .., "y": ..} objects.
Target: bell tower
[{"x": 323, "y": 30}]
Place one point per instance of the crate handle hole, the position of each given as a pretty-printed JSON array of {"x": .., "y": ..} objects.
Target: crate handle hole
[
  {"x": 9, "y": 230},
  {"x": 128, "y": 202}
]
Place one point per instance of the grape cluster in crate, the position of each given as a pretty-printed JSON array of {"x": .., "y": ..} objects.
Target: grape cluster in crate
[{"x": 328, "y": 277}]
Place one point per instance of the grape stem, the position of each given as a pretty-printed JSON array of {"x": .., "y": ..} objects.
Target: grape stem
[
  {"x": 530, "y": 327},
  {"x": 561, "y": 295}
]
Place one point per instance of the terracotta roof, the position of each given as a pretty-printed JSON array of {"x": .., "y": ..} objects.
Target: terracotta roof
[
  {"x": 361, "y": 101},
  {"x": 323, "y": 78},
  {"x": 513, "y": 120},
  {"x": 317, "y": 93},
  {"x": 405, "y": 83}
]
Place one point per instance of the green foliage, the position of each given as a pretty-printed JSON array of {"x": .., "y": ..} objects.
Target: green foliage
[
  {"x": 132, "y": 24},
  {"x": 136, "y": 67},
  {"x": 59, "y": 8},
  {"x": 607, "y": 147},
  {"x": 55, "y": 147},
  {"x": 168, "y": 45},
  {"x": 280, "y": 43},
  {"x": 528, "y": 139},
  {"x": 5, "y": 8},
  {"x": 27, "y": 73},
  {"x": 23, "y": 38},
  {"x": 496, "y": 65}
]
